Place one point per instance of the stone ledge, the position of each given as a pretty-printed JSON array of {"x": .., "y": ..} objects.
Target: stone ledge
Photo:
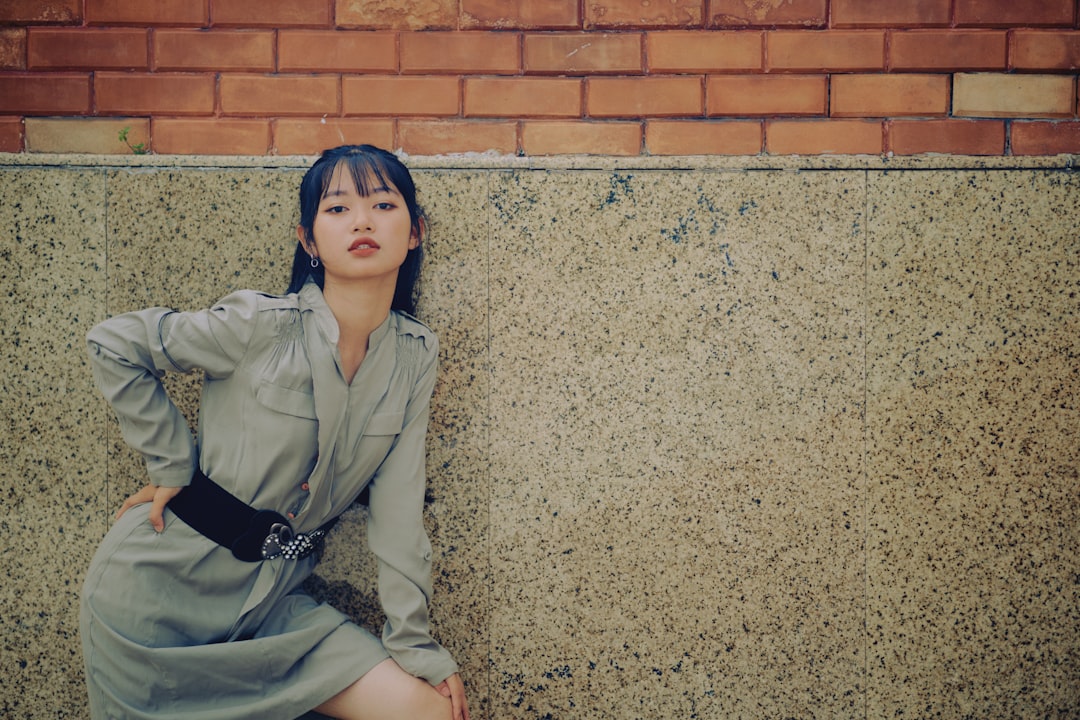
[{"x": 485, "y": 161}]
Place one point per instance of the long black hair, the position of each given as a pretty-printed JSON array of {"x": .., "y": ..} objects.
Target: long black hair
[{"x": 367, "y": 164}]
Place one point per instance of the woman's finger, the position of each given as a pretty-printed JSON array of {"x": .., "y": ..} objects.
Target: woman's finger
[
  {"x": 144, "y": 495},
  {"x": 458, "y": 703},
  {"x": 162, "y": 496}
]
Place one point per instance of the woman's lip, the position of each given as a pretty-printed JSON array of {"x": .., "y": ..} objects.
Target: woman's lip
[{"x": 361, "y": 242}]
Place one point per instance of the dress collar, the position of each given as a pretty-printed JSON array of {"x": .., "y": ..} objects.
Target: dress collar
[{"x": 312, "y": 300}]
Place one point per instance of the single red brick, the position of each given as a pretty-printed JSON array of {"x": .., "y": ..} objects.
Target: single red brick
[
  {"x": 890, "y": 13},
  {"x": 460, "y": 52},
  {"x": 11, "y": 134},
  {"x": 336, "y": 51},
  {"x": 40, "y": 12},
  {"x": 703, "y": 50},
  {"x": 947, "y": 50},
  {"x": 67, "y": 48},
  {"x": 305, "y": 136},
  {"x": 1045, "y": 138},
  {"x": 572, "y": 137},
  {"x": 741, "y": 13},
  {"x": 386, "y": 14},
  {"x": 823, "y": 137},
  {"x": 1013, "y": 95},
  {"x": 158, "y": 12},
  {"x": 210, "y": 136},
  {"x": 1010, "y": 13},
  {"x": 153, "y": 94},
  {"x": 44, "y": 93},
  {"x": 751, "y": 95},
  {"x": 642, "y": 13},
  {"x": 949, "y": 137},
  {"x": 703, "y": 137},
  {"x": 642, "y": 97},
  {"x": 396, "y": 95},
  {"x": 213, "y": 50},
  {"x": 522, "y": 97},
  {"x": 441, "y": 137},
  {"x": 274, "y": 13},
  {"x": 280, "y": 94},
  {"x": 502, "y": 15},
  {"x": 579, "y": 53},
  {"x": 889, "y": 95},
  {"x": 825, "y": 50},
  {"x": 1045, "y": 50},
  {"x": 13, "y": 48},
  {"x": 100, "y": 136}
]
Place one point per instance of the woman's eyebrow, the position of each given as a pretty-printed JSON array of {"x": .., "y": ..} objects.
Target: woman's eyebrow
[{"x": 372, "y": 191}]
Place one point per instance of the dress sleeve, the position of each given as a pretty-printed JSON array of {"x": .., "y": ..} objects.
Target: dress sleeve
[
  {"x": 129, "y": 354},
  {"x": 397, "y": 537}
]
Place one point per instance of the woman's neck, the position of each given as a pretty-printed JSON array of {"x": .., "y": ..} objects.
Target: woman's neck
[{"x": 359, "y": 309}]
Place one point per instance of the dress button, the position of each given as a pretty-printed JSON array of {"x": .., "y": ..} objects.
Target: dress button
[
  {"x": 305, "y": 487},
  {"x": 291, "y": 516}
]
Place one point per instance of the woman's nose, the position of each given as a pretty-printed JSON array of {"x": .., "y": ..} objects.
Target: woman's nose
[{"x": 361, "y": 220}]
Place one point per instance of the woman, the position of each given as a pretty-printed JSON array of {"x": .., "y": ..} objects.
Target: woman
[{"x": 192, "y": 606}]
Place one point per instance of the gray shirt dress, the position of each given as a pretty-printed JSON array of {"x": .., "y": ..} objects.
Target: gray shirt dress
[{"x": 172, "y": 624}]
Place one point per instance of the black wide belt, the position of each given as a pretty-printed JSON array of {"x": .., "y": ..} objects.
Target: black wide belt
[{"x": 252, "y": 535}]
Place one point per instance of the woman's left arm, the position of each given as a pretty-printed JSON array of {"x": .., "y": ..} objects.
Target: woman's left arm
[{"x": 397, "y": 537}]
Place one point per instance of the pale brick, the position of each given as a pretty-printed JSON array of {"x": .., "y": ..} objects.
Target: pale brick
[{"x": 1013, "y": 95}]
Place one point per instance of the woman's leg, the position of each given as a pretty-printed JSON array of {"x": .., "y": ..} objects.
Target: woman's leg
[{"x": 387, "y": 692}]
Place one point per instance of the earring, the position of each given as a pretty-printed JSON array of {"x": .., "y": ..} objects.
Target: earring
[{"x": 314, "y": 262}]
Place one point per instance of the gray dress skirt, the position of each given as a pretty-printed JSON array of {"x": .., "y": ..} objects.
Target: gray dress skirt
[{"x": 174, "y": 626}]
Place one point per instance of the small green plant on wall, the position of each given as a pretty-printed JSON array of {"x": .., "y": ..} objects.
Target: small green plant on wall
[{"x": 138, "y": 148}]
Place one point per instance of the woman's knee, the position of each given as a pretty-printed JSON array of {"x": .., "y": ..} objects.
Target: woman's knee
[{"x": 387, "y": 692}]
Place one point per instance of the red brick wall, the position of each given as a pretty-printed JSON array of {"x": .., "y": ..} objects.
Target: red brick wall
[{"x": 615, "y": 77}]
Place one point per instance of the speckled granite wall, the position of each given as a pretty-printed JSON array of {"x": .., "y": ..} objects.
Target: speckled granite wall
[{"x": 775, "y": 438}]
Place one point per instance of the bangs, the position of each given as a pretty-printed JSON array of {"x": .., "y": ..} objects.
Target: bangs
[{"x": 369, "y": 175}]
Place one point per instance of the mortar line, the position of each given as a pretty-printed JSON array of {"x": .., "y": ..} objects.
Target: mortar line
[
  {"x": 108, "y": 427},
  {"x": 866, "y": 445},
  {"x": 755, "y": 163},
  {"x": 487, "y": 436}
]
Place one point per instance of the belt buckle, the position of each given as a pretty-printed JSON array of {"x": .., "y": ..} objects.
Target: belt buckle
[{"x": 275, "y": 544}]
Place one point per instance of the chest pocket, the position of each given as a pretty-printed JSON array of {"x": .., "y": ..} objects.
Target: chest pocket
[
  {"x": 385, "y": 424},
  {"x": 286, "y": 400}
]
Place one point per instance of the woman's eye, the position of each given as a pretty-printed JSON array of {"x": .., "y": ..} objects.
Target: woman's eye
[
  {"x": 336, "y": 209},
  {"x": 385, "y": 206}
]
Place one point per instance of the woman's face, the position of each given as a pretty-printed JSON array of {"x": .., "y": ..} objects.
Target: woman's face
[{"x": 360, "y": 237}]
